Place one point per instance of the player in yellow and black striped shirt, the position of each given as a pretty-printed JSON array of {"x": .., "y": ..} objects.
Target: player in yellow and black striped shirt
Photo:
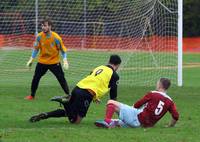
[
  {"x": 93, "y": 87},
  {"x": 48, "y": 44}
]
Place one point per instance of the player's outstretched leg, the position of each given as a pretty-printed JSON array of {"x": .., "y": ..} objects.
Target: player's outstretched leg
[
  {"x": 38, "y": 117},
  {"x": 52, "y": 114},
  {"x": 61, "y": 99}
]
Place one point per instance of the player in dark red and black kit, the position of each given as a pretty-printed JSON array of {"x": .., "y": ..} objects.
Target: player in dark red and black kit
[{"x": 145, "y": 112}]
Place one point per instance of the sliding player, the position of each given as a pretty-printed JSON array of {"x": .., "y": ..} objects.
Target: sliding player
[
  {"x": 102, "y": 79},
  {"x": 145, "y": 113}
]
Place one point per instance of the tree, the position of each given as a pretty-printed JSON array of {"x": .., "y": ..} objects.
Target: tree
[{"x": 191, "y": 18}]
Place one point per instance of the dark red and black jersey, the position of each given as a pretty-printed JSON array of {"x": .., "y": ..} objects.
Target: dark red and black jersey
[{"x": 156, "y": 105}]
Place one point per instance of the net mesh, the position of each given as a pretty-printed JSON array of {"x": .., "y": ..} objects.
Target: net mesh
[{"x": 142, "y": 32}]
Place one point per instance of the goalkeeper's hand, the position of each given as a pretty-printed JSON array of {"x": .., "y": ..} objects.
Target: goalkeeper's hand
[
  {"x": 65, "y": 64},
  {"x": 30, "y": 62}
]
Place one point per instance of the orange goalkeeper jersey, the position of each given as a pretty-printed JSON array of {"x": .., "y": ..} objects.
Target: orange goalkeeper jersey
[{"x": 49, "y": 46}]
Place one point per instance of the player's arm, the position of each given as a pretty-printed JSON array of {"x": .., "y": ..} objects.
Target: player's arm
[
  {"x": 34, "y": 51},
  {"x": 63, "y": 50},
  {"x": 174, "y": 114},
  {"x": 113, "y": 85},
  {"x": 172, "y": 123},
  {"x": 65, "y": 62},
  {"x": 142, "y": 101}
]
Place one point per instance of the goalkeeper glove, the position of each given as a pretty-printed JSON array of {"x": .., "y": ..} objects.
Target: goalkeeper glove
[
  {"x": 65, "y": 64},
  {"x": 30, "y": 62}
]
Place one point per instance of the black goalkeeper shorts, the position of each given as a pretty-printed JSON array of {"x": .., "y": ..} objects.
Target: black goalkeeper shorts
[{"x": 78, "y": 104}]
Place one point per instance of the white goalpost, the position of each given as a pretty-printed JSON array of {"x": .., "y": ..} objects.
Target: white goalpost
[
  {"x": 180, "y": 42},
  {"x": 147, "y": 34}
]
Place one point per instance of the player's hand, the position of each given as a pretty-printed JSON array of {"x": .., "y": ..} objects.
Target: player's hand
[
  {"x": 168, "y": 125},
  {"x": 30, "y": 62},
  {"x": 65, "y": 64},
  {"x": 97, "y": 101}
]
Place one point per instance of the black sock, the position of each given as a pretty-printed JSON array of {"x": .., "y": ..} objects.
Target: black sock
[{"x": 56, "y": 113}]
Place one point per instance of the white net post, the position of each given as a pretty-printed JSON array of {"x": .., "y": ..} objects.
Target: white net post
[
  {"x": 180, "y": 42},
  {"x": 36, "y": 17},
  {"x": 85, "y": 23}
]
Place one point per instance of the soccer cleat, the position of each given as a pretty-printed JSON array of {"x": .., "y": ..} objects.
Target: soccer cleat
[
  {"x": 104, "y": 124},
  {"x": 61, "y": 99},
  {"x": 29, "y": 98},
  {"x": 38, "y": 117},
  {"x": 120, "y": 123},
  {"x": 101, "y": 123}
]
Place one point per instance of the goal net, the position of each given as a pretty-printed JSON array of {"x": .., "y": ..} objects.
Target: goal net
[{"x": 143, "y": 32}]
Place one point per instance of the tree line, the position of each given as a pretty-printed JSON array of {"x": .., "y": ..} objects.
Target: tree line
[
  {"x": 191, "y": 18},
  {"x": 103, "y": 10}
]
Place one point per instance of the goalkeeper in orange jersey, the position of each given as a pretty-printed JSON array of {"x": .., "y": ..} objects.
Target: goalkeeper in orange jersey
[
  {"x": 48, "y": 44},
  {"x": 102, "y": 79}
]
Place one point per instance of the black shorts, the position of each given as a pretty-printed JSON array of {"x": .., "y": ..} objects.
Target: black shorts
[{"x": 78, "y": 104}]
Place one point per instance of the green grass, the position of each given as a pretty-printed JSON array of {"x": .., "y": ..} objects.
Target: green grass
[
  {"x": 137, "y": 68},
  {"x": 15, "y": 112}
]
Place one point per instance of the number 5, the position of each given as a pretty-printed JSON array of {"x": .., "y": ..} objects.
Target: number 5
[{"x": 159, "y": 108}]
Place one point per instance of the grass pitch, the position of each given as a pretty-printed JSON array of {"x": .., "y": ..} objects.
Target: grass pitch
[{"x": 15, "y": 112}]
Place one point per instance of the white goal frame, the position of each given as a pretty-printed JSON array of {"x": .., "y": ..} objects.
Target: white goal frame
[{"x": 180, "y": 36}]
